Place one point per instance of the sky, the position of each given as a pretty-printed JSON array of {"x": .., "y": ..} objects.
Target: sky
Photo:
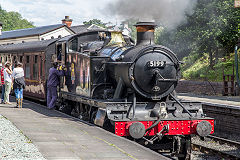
[
  {"x": 46, "y": 12},
  {"x": 168, "y": 13}
]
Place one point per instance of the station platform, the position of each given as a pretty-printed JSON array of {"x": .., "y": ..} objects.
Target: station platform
[
  {"x": 59, "y": 136},
  {"x": 230, "y": 101}
]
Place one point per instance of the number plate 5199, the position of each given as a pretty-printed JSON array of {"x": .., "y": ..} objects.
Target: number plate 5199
[{"x": 153, "y": 64}]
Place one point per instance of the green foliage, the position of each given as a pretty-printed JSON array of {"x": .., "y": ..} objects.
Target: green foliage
[
  {"x": 13, "y": 21},
  {"x": 189, "y": 60},
  {"x": 96, "y": 22},
  {"x": 196, "y": 70},
  {"x": 212, "y": 29},
  {"x": 207, "y": 36},
  {"x": 158, "y": 33},
  {"x": 200, "y": 70}
]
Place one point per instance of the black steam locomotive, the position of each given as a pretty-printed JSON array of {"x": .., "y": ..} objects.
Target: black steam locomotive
[{"x": 113, "y": 83}]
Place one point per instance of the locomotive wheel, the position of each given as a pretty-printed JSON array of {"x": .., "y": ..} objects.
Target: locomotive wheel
[
  {"x": 108, "y": 126},
  {"x": 93, "y": 116},
  {"x": 182, "y": 147},
  {"x": 66, "y": 107},
  {"x": 185, "y": 150}
]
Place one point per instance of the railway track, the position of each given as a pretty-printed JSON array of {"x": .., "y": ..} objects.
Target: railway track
[
  {"x": 225, "y": 141},
  {"x": 215, "y": 150},
  {"x": 226, "y": 117}
]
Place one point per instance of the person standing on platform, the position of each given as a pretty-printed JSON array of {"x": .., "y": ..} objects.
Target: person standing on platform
[
  {"x": 53, "y": 82},
  {"x": 7, "y": 72},
  {"x": 18, "y": 83},
  {"x": 2, "y": 82}
]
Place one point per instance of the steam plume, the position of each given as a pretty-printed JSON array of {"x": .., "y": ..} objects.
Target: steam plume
[{"x": 169, "y": 13}]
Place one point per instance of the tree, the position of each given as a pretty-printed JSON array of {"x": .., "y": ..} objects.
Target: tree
[
  {"x": 212, "y": 29},
  {"x": 13, "y": 21},
  {"x": 96, "y": 22}
]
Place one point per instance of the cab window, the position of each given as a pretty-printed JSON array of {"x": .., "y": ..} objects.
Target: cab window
[{"x": 73, "y": 45}]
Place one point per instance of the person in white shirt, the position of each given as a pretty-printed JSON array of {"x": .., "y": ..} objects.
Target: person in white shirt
[
  {"x": 7, "y": 81},
  {"x": 18, "y": 83}
]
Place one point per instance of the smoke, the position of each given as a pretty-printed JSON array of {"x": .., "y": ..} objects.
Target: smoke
[{"x": 169, "y": 13}]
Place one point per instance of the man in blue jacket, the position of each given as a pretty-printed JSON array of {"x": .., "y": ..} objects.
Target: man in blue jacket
[{"x": 53, "y": 82}]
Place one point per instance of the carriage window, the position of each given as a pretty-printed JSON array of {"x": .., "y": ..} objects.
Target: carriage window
[
  {"x": 41, "y": 66},
  {"x": 6, "y": 59},
  {"x": 88, "y": 80},
  {"x": 84, "y": 78},
  {"x": 21, "y": 59},
  {"x": 27, "y": 67},
  {"x": 73, "y": 45},
  {"x": 14, "y": 60},
  {"x": 9, "y": 58},
  {"x": 35, "y": 67}
]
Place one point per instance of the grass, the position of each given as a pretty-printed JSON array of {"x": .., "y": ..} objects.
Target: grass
[{"x": 197, "y": 68}]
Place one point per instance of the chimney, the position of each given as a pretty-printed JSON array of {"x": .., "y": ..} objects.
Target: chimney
[
  {"x": 0, "y": 28},
  {"x": 145, "y": 32},
  {"x": 67, "y": 21}
]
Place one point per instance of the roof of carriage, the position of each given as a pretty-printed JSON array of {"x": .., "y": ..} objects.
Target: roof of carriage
[{"x": 26, "y": 46}]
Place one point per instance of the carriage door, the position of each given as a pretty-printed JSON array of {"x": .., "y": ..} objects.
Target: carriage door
[
  {"x": 61, "y": 59},
  {"x": 42, "y": 68}
]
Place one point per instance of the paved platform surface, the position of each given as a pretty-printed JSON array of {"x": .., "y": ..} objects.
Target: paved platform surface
[
  {"x": 219, "y": 100},
  {"x": 59, "y": 136}
]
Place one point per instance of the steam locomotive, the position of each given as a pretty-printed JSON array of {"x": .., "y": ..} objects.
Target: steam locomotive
[{"x": 125, "y": 88}]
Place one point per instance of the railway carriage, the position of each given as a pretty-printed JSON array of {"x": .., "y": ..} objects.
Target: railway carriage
[
  {"x": 125, "y": 88},
  {"x": 35, "y": 57}
]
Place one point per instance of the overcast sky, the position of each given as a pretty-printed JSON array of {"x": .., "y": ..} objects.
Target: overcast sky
[{"x": 45, "y": 12}]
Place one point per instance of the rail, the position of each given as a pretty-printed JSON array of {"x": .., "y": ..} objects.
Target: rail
[
  {"x": 222, "y": 154},
  {"x": 225, "y": 141}
]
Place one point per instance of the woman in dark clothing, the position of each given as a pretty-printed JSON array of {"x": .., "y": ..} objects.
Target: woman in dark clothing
[{"x": 53, "y": 82}]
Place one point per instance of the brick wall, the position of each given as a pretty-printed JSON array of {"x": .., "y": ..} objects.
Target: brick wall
[{"x": 200, "y": 87}]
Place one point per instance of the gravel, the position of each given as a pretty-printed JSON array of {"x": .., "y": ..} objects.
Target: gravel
[
  {"x": 215, "y": 145},
  {"x": 14, "y": 145},
  {"x": 202, "y": 156}
]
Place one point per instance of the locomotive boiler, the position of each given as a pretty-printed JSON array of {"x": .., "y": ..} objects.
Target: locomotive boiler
[
  {"x": 151, "y": 71},
  {"x": 126, "y": 88}
]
